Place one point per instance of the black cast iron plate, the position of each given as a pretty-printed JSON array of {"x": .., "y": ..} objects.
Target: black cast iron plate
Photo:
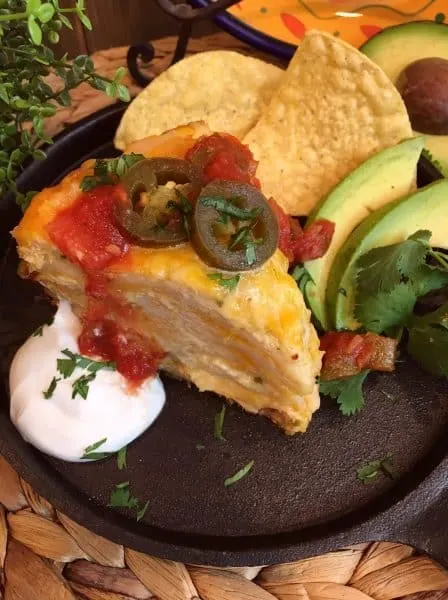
[{"x": 302, "y": 496}]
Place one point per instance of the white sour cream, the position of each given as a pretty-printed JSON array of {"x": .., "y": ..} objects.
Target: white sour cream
[{"x": 64, "y": 427}]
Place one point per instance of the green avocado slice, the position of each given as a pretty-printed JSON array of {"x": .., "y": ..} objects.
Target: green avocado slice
[
  {"x": 394, "y": 48},
  {"x": 384, "y": 177},
  {"x": 425, "y": 209}
]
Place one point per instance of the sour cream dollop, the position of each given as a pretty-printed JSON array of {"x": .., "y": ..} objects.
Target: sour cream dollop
[{"x": 63, "y": 426}]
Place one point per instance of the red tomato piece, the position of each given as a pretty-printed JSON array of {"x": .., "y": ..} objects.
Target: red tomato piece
[
  {"x": 134, "y": 357},
  {"x": 286, "y": 224},
  {"x": 223, "y": 156},
  {"x": 315, "y": 241},
  {"x": 87, "y": 233},
  {"x": 348, "y": 353}
]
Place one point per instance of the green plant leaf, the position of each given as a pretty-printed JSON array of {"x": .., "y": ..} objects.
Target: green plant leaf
[
  {"x": 32, "y": 6},
  {"x": 85, "y": 21},
  {"x": 45, "y": 12},
  {"x": 65, "y": 21},
  {"x": 34, "y": 30}
]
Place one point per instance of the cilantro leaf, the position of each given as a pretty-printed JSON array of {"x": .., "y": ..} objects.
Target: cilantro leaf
[
  {"x": 107, "y": 172},
  {"x": 228, "y": 282},
  {"x": 384, "y": 310},
  {"x": 219, "y": 423},
  {"x": 142, "y": 511},
  {"x": 121, "y": 497},
  {"x": 121, "y": 458},
  {"x": 390, "y": 279},
  {"x": 370, "y": 470},
  {"x": 48, "y": 393},
  {"x": 381, "y": 269},
  {"x": 227, "y": 206},
  {"x": 66, "y": 366},
  {"x": 302, "y": 277},
  {"x": 94, "y": 446},
  {"x": 239, "y": 474},
  {"x": 347, "y": 392},
  {"x": 81, "y": 385}
]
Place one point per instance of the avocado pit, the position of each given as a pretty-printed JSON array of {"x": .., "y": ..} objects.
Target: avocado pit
[{"x": 423, "y": 86}]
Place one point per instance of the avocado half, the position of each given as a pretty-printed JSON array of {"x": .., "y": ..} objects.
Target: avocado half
[
  {"x": 425, "y": 209},
  {"x": 394, "y": 48},
  {"x": 383, "y": 178}
]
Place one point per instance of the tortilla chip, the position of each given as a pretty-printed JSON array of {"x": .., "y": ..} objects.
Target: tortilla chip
[
  {"x": 225, "y": 89},
  {"x": 333, "y": 110}
]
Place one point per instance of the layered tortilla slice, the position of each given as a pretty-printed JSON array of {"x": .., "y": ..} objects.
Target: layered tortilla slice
[{"x": 253, "y": 343}]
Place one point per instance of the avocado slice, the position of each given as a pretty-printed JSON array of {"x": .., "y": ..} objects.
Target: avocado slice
[
  {"x": 394, "y": 48},
  {"x": 384, "y": 177},
  {"x": 425, "y": 209}
]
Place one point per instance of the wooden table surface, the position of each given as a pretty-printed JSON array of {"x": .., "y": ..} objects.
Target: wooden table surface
[{"x": 46, "y": 556}]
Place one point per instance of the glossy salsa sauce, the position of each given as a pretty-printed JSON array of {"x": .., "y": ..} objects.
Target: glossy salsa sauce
[{"x": 88, "y": 235}]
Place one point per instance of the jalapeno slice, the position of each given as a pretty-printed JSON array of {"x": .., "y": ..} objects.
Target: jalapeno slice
[
  {"x": 234, "y": 227},
  {"x": 140, "y": 222}
]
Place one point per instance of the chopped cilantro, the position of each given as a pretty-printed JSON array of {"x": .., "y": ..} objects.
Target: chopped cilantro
[
  {"x": 66, "y": 367},
  {"x": 121, "y": 458},
  {"x": 227, "y": 206},
  {"x": 370, "y": 470},
  {"x": 228, "y": 282},
  {"x": 48, "y": 393},
  {"x": 121, "y": 497},
  {"x": 94, "y": 446},
  {"x": 347, "y": 392},
  {"x": 142, "y": 511},
  {"x": 239, "y": 474},
  {"x": 91, "y": 454},
  {"x": 219, "y": 423},
  {"x": 301, "y": 275},
  {"x": 81, "y": 385},
  {"x": 389, "y": 280},
  {"x": 107, "y": 172},
  {"x": 251, "y": 257},
  {"x": 439, "y": 18}
]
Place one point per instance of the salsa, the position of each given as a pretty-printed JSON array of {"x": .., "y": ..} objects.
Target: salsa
[
  {"x": 348, "y": 353},
  {"x": 88, "y": 235},
  {"x": 87, "y": 232},
  {"x": 223, "y": 156},
  {"x": 300, "y": 245}
]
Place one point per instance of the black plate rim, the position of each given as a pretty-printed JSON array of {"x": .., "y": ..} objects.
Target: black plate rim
[{"x": 407, "y": 520}]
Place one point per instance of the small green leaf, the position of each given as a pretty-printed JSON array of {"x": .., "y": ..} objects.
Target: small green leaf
[
  {"x": 121, "y": 458},
  {"x": 347, "y": 392},
  {"x": 65, "y": 21},
  {"x": 4, "y": 94},
  {"x": 45, "y": 12},
  {"x": 94, "y": 446},
  {"x": 81, "y": 386},
  {"x": 219, "y": 423},
  {"x": 34, "y": 30},
  {"x": 142, "y": 511},
  {"x": 32, "y": 6},
  {"x": 227, "y": 282},
  {"x": 85, "y": 21},
  {"x": 119, "y": 74},
  {"x": 123, "y": 93},
  {"x": 239, "y": 474},
  {"x": 370, "y": 470},
  {"x": 48, "y": 393}
]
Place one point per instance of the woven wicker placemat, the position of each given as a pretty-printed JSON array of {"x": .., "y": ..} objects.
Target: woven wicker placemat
[{"x": 46, "y": 556}]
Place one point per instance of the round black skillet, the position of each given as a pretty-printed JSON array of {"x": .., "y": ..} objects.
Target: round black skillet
[{"x": 302, "y": 496}]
